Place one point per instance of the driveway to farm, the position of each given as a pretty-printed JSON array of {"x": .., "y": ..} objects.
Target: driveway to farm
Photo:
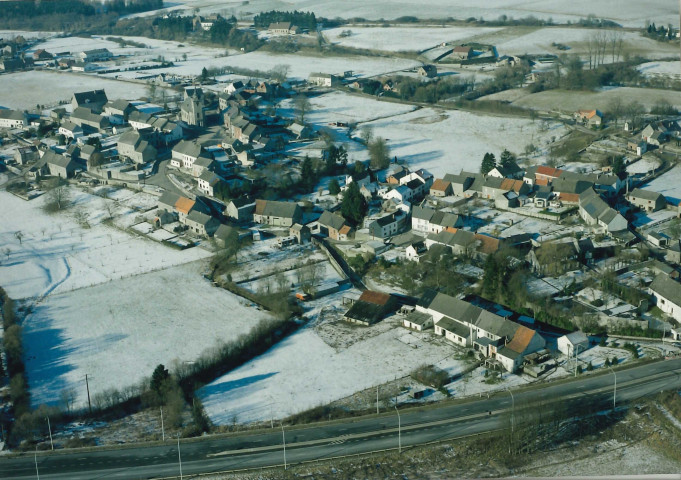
[
  {"x": 310, "y": 443},
  {"x": 161, "y": 179}
]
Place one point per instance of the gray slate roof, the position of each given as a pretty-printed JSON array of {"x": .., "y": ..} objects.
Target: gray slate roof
[
  {"x": 331, "y": 220},
  {"x": 667, "y": 288}
]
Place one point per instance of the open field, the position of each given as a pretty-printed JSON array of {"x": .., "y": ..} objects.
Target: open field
[
  {"x": 661, "y": 69},
  {"x": 442, "y": 141},
  {"x": 525, "y": 40},
  {"x": 395, "y": 39},
  {"x": 629, "y": 14},
  {"x": 109, "y": 304},
  {"x": 118, "y": 332},
  {"x": 569, "y": 101},
  {"x": 280, "y": 382},
  {"x": 448, "y": 141},
  {"x": 57, "y": 254},
  {"x": 26, "y": 89}
]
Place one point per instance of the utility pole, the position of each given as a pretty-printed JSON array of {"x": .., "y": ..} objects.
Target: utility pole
[
  {"x": 376, "y": 399},
  {"x": 87, "y": 385},
  {"x": 163, "y": 430},
  {"x": 49, "y": 429},
  {"x": 283, "y": 437},
  {"x": 179, "y": 455},
  {"x": 399, "y": 431},
  {"x": 576, "y": 359}
]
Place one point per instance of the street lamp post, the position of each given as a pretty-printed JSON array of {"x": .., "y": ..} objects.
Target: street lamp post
[
  {"x": 283, "y": 437},
  {"x": 399, "y": 431},
  {"x": 512, "y": 409},
  {"x": 179, "y": 455},
  {"x": 614, "y": 390},
  {"x": 49, "y": 429},
  {"x": 512, "y": 417},
  {"x": 35, "y": 459}
]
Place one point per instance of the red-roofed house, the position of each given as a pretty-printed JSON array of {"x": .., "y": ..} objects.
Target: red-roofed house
[{"x": 441, "y": 188}]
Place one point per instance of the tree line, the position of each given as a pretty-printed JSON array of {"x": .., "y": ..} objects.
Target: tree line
[
  {"x": 305, "y": 20},
  {"x": 68, "y": 13}
]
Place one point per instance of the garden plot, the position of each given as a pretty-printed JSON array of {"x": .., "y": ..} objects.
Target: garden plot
[
  {"x": 668, "y": 185},
  {"x": 644, "y": 165},
  {"x": 117, "y": 333},
  {"x": 448, "y": 141},
  {"x": 324, "y": 273},
  {"x": 23, "y": 90},
  {"x": 59, "y": 253},
  {"x": 280, "y": 382},
  {"x": 395, "y": 39},
  {"x": 264, "y": 257},
  {"x": 627, "y": 14}
]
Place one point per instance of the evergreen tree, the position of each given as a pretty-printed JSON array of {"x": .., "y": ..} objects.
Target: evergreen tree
[
  {"x": 334, "y": 187},
  {"x": 158, "y": 378},
  {"x": 489, "y": 161},
  {"x": 204, "y": 74},
  {"x": 354, "y": 205},
  {"x": 308, "y": 176},
  {"x": 506, "y": 158},
  {"x": 618, "y": 167}
]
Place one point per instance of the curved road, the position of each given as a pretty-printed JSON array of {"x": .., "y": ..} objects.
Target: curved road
[{"x": 348, "y": 437}]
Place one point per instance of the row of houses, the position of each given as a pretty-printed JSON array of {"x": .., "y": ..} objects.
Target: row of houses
[{"x": 467, "y": 325}]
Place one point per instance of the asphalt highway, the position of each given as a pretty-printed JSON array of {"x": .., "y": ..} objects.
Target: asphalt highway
[{"x": 334, "y": 439}]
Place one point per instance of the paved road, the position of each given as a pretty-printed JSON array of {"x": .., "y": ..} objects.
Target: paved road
[{"x": 322, "y": 441}]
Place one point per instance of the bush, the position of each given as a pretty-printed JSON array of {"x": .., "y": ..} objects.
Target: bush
[{"x": 431, "y": 376}]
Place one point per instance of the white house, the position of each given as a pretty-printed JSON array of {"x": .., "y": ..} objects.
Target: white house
[
  {"x": 573, "y": 342},
  {"x": 12, "y": 119},
  {"x": 323, "y": 79},
  {"x": 667, "y": 293}
]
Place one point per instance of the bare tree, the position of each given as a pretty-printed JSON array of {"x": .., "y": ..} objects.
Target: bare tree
[
  {"x": 67, "y": 398},
  {"x": 302, "y": 106},
  {"x": 19, "y": 236},
  {"x": 616, "y": 40},
  {"x": 280, "y": 72},
  {"x": 7, "y": 252},
  {"x": 366, "y": 134},
  {"x": 57, "y": 196}
]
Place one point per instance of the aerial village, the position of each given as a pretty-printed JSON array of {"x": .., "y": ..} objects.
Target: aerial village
[{"x": 520, "y": 266}]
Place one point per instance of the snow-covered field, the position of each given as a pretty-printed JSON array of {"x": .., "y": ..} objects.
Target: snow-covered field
[
  {"x": 668, "y": 185},
  {"x": 569, "y": 101},
  {"x": 338, "y": 106},
  {"x": 442, "y": 141},
  {"x": 23, "y": 90},
  {"x": 644, "y": 165},
  {"x": 628, "y": 13},
  {"x": 281, "y": 382},
  {"x": 109, "y": 304},
  {"x": 56, "y": 254},
  {"x": 448, "y": 141},
  {"x": 118, "y": 332},
  {"x": 512, "y": 41},
  {"x": 661, "y": 69},
  {"x": 395, "y": 39}
]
